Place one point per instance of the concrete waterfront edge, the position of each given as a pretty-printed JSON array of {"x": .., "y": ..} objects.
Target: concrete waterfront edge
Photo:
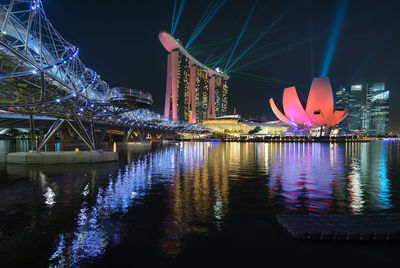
[{"x": 66, "y": 157}]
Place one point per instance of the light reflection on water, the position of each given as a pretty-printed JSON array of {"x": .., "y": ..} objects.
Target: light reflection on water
[{"x": 202, "y": 186}]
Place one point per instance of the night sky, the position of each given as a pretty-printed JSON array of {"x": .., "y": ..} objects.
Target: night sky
[{"x": 119, "y": 39}]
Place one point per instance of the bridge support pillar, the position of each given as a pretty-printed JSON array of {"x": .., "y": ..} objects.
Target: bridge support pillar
[
  {"x": 82, "y": 133},
  {"x": 53, "y": 129},
  {"x": 76, "y": 126},
  {"x": 128, "y": 134}
]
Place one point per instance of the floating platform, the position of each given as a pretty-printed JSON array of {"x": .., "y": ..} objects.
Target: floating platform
[
  {"x": 134, "y": 144},
  {"x": 342, "y": 226},
  {"x": 61, "y": 157}
]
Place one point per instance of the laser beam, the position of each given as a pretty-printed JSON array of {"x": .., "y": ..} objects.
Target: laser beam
[
  {"x": 256, "y": 41},
  {"x": 173, "y": 15},
  {"x": 333, "y": 39},
  {"x": 202, "y": 19},
  {"x": 263, "y": 78},
  {"x": 178, "y": 16},
  {"x": 205, "y": 20},
  {"x": 241, "y": 33},
  {"x": 373, "y": 51},
  {"x": 269, "y": 55},
  {"x": 310, "y": 32}
]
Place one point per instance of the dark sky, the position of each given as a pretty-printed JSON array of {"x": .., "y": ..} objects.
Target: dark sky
[{"x": 119, "y": 39}]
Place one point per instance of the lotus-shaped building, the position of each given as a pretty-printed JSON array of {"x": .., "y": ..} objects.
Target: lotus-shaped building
[{"x": 318, "y": 111}]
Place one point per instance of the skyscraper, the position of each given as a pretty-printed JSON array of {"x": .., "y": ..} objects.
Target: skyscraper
[
  {"x": 194, "y": 92},
  {"x": 183, "y": 86},
  {"x": 342, "y": 102},
  {"x": 378, "y": 109},
  {"x": 201, "y": 93},
  {"x": 368, "y": 108},
  {"x": 356, "y": 108},
  {"x": 221, "y": 96}
]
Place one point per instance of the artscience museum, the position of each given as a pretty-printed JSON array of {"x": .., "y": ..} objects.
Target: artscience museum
[{"x": 317, "y": 112}]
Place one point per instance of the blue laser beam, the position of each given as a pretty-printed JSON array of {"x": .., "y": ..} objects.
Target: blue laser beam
[
  {"x": 221, "y": 58},
  {"x": 300, "y": 42},
  {"x": 173, "y": 15},
  {"x": 355, "y": 20},
  {"x": 206, "y": 21},
  {"x": 310, "y": 33},
  {"x": 241, "y": 34},
  {"x": 214, "y": 9},
  {"x": 333, "y": 39},
  {"x": 373, "y": 51},
  {"x": 256, "y": 41},
  {"x": 202, "y": 19},
  {"x": 178, "y": 16}
]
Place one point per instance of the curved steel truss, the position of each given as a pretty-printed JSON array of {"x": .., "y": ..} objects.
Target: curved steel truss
[{"x": 41, "y": 74}]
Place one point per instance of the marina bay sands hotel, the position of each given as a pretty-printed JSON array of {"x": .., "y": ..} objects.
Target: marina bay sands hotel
[{"x": 194, "y": 92}]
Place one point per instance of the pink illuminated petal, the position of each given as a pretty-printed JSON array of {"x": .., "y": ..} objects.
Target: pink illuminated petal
[
  {"x": 278, "y": 111},
  {"x": 320, "y": 101},
  {"x": 338, "y": 116},
  {"x": 294, "y": 109}
]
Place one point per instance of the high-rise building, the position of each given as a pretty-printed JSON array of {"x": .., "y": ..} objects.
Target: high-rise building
[
  {"x": 378, "y": 109},
  {"x": 368, "y": 107},
  {"x": 194, "y": 92},
  {"x": 356, "y": 108},
  {"x": 342, "y": 102},
  {"x": 201, "y": 93},
  {"x": 183, "y": 75},
  {"x": 221, "y": 96}
]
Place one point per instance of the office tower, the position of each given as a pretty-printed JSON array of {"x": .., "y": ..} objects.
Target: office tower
[
  {"x": 342, "y": 102},
  {"x": 357, "y": 110},
  {"x": 378, "y": 109},
  {"x": 368, "y": 108}
]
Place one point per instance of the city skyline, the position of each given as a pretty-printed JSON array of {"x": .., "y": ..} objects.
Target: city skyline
[
  {"x": 366, "y": 48},
  {"x": 147, "y": 134},
  {"x": 368, "y": 107}
]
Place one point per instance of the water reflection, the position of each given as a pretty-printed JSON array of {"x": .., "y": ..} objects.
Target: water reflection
[
  {"x": 324, "y": 178},
  {"x": 301, "y": 177},
  {"x": 200, "y": 186}
]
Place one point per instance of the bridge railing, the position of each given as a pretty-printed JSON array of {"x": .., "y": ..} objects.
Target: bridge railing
[{"x": 120, "y": 92}]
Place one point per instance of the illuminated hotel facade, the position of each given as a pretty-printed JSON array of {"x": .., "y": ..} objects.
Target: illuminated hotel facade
[
  {"x": 194, "y": 92},
  {"x": 368, "y": 107}
]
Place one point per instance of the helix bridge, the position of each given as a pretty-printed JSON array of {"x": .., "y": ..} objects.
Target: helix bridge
[{"x": 41, "y": 74}]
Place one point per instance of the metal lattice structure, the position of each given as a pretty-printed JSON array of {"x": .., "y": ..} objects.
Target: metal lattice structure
[
  {"x": 41, "y": 74},
  {"x": 41, "y": 70}
]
